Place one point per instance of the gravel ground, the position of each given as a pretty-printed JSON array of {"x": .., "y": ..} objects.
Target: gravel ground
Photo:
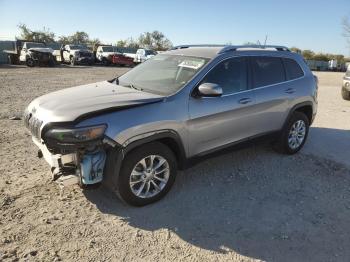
[{"x": 247, "y": 205}]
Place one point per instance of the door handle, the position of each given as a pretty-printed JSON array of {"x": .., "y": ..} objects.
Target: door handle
[
  {"x": 245, "y": 100},
  {"x": 290, "y": 90}
]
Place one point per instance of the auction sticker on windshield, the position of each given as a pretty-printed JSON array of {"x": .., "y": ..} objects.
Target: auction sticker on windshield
[{"x": 192, "y": 63}]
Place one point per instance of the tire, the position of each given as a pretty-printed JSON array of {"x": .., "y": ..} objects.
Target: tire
[
  {"x": 105, "y": 62},
  {"x": 51, "y": 63},
  {"x": 286, "y": 144},
  {"x": 345, "y": 94},
  {"x": 131, "y": 163},
  {"x": 30, "y": 62},
  {"x": 72, "y": 61}
]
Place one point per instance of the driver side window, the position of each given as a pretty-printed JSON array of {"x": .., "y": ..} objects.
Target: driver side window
[{"x": 230, "y": 74}]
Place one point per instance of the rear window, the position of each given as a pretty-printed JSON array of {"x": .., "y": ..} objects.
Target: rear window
[
  {"x": 267, "y": 71},
  {"x": 293, "y": 69}
]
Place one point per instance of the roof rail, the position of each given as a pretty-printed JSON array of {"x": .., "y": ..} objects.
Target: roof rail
[
  {"x": 236, "y": 47},
  {"x": 188, "y": 46}
]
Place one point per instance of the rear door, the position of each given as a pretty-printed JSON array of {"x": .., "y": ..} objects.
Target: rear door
[
  {"x": 218, "y": 121},
  {"x": 272, "y": 93}
]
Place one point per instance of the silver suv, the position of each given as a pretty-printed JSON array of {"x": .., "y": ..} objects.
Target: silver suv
[{"x": 134, "y": 132}]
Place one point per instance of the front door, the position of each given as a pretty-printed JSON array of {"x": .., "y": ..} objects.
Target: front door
[{"x": 219, "y": 121}]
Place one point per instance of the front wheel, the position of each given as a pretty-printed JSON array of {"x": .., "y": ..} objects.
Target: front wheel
[
  {"x": 30, "y": 62},
  {"x": 147, "y": 174},
  {"x": 345, "y": 94},
  {"x": 294, "y": 134}
]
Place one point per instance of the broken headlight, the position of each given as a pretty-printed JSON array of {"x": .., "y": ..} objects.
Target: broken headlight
[{"x": 76, "y": 135}]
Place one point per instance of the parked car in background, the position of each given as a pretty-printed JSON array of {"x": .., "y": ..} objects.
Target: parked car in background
[
  {"x": 345, "y": 91},
  {"x": 143, "y": 54},
  {"x": 316, "y": 65},
  {"x": 77, "y": 54},
  {"x": 104, "y": 54},
  {"x": 122, "y": 60},
  {"x": 132, "y": 133},
  {"x": 30, "y": 53}
]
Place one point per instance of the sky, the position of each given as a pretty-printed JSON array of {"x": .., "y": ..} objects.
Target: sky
[{"x": 306, "y": 24}]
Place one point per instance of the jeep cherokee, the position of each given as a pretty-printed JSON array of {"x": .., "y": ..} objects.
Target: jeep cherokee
[{"x": 134, "y": 132}]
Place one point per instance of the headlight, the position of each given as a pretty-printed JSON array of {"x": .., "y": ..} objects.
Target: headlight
[{"x": 76, "y": 135}]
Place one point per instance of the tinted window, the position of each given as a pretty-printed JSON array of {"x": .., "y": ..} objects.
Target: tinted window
[
  {"x": 293, "y": 70},
  {"x": 230, "y": 74},
  {"x": 267, "y": 71}
]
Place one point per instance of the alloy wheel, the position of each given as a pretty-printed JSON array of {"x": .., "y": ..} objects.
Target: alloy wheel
[
  {"x": 297, "y": 134},
  {"x": 149, "y": 176}
]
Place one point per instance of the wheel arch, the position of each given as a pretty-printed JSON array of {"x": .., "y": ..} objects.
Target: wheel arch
[
  {"x": 305, "y": 108},
  {"x": 170, "y": 138},
  {"x": 116, "y": 154}
]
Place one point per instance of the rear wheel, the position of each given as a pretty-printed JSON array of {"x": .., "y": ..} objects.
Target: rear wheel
[
  {"x": 105, "y": 62},
  {"x": 345, "y": 93},
  {"x": 147, "y": 174},
  {"x": 294, "y": 134},
  {"x": 30, "y": 62}
]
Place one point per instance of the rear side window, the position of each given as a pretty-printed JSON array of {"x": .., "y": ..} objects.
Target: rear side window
[
  {"x": 267, "y": 71},
  {"x": 293, "y": 69}
]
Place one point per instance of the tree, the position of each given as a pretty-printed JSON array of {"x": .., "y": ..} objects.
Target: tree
[
  {"x": 121, "y": 43},
  {"x": 308, "y": 54},
  {"x": 94, "y": 41},
  {"x": 44, "y": 35},
  {"x": 63, "y": 40},
  {"x": 131, "y": 43},
  {"x": 296, "y": 50},
  {"x": 79, "y": 37},
  {"x": 155, "y": 40},
  {"x": 321, "y": 57}
]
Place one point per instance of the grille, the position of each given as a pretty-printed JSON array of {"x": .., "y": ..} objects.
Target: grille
[
  {"x": 85, "y": 54},
  {"x": 33, "y": 124},
  {"x": 41, "y": 56}
]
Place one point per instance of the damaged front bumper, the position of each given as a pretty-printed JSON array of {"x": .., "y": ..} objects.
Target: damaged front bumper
[
  {"x": 75, "y": 152},
  {"x": 85, "y": 166}
]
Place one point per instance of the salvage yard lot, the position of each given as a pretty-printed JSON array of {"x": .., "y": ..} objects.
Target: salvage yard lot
[{"x": 247, "y": 205}]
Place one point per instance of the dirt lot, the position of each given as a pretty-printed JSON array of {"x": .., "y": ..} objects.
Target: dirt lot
[{"x": 248, "y": 205}]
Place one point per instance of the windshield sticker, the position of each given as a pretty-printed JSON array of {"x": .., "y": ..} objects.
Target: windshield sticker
[{"x": 193, "y": 64}]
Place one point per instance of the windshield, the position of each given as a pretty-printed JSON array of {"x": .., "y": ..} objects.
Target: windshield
[
  {"x": 34, "y": 45},
  {"x": 109, "y": 49},
  {"x": 150, "y": 52},
  {"x": 76, "y": 47},
  {"x": 163, "y": 74}
]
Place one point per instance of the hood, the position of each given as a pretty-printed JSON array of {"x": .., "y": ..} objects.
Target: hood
[
  {"x": 42, "y": 49},
  {"x": 72, "y": 103}
]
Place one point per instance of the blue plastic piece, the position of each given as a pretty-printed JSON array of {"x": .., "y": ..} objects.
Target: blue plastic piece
[{"x": 91, "y": 167}]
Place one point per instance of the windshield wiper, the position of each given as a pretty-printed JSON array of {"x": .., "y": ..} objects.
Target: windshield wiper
[{"x": 133, "y": 87}]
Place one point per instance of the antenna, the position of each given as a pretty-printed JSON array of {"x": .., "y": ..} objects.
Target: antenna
[{"x": 265, "y": 41}]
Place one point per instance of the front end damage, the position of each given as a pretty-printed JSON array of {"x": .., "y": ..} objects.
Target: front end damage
[{"x": 75, "y": 155}]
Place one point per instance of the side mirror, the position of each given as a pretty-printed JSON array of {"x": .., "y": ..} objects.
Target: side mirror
[{"x": 209, "y": 90}]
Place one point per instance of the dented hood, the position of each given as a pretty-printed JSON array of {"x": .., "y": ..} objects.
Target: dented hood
[{"x": 72, "y": 103}]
